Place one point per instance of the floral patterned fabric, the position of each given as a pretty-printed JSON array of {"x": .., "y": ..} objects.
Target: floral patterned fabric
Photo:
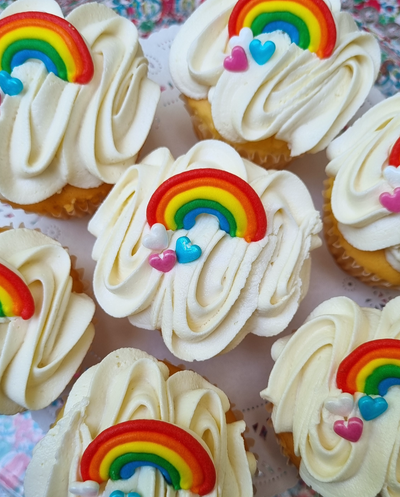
[{"x": 18, "y": 435}]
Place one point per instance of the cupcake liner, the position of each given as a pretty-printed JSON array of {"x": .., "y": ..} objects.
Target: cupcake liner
[
  {"x": 339, "y": 248},
  {"x": 270, "y": 153},
  {"x": 70, "y": 202},
  {"x": 286, "y": 444}
]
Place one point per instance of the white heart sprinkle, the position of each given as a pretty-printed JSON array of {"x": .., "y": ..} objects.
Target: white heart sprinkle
[
  {"x": 89, "y": 488},
  {"x": 342, "y": 405},
  {"x": 157, "y": 239},
  {"x": 243, "y": 40},
  {"x": 392, "y": 176}
]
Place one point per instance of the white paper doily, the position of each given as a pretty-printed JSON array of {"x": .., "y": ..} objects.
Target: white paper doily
[{"x": 242, "y": 373}]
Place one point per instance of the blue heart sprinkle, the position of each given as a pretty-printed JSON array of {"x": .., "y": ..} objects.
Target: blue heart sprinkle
[
  {"x": 262, "y": 53},
  {"x": 185, "y": 251},
  {"x": 10, "y": 86},
  {"x": 117, "y": 493},
  {"x": 371, "y": 408}
]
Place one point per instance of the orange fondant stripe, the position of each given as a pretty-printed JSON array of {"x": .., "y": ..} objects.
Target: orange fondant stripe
[
  {"x": 173, "y": 435},
  {"x": 317, "y": 7},
  {"x": 146, "y": 436},
  {"x": 23, "y": 303},
  {"x": 350, "y": 367},
  {"x": 14, "y": 294},
  {"x": 72, "y": 38},
  {"x": 257, "y": 222},
  {"x": 223, "y": 185}
]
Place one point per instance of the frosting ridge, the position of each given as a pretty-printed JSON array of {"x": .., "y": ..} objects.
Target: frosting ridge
[
  {"x": 56, "y": 133},
  {"x": 137, "y": 386},
  {"x": 302, "y": 384},
  {"x": 39, "y": 356},
  {"x": 359, "y": 164},
  {"x": 235, "y": 287},
  {"x": 295, "y": 96}
]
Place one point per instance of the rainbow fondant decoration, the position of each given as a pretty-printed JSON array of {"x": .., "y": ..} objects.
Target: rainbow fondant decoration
[
  {"x": 49, "y": 38},
  {"x": 309, "y": 23},
  {"x": 180, "y": 199},
  {"x": 372, "y": 368},
  {"x": 117, "y": 451},
  {"x": 15, "y": 296}
]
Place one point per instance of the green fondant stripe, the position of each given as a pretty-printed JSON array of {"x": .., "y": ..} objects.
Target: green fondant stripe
[
  {"x": 210, "y": 204},
  {"x": 2, "y": 315},
  {"x": 40, "y": 46},
  {"x": 381, "y": 373},
  {"x": 119, "y": 463},
  {"x": 266, "y": 18}
]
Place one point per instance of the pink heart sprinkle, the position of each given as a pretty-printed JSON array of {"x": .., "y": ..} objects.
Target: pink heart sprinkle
[
  {"x": 391, "y": 202},
  {"x": 352, "y": 431},
  {"x": 237, "y": 61},
  {"x": 163, "y": 262}
]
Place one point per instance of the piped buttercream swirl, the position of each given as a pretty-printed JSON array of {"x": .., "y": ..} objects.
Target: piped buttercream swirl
[
  {"x": 127, "y": 385},
  {"x": 235, "y": 287},
  {"x": 56, "y": 133},
  {"x": 295, "y": 96},
  {"x": 39, "y": 356},
  {"x": 304, "y": 378},
  {"x": 360, "y": 168}
]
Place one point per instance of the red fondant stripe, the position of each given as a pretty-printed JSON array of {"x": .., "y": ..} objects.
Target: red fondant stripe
[
  {"x": 317, "y": 7},
  {"x": 213, "y": 177},
  {"x": 351, "y": 365},
  {"x": 394, "y": 157},
  {"x": 166, "y": 434},
  {"x": 71, "y": 36},
  {"x": 23, "y": 303}
]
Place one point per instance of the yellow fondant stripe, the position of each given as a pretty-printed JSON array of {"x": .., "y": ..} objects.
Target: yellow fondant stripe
[
  {"x": 225, "y": 198},
  {"x": 148, "y": 448},
  {"x": 44, "y": 34},
  {"x": 6, "y": 303},
  {"x": 294, "y": 8},
  {"x": 370, "y": 368}
]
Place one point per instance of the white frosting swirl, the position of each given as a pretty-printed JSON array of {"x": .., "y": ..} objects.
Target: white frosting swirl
[
  {"x": 56, "y": 133},
  {"x": 234, "y": 288},
  {"x": 129, "y": 384},
  {"x": 304, "y": 377},
  {"x": 359, "y": 164},
  {"x": 295, "y": 96},
  {"x": 39, "y": 356}
]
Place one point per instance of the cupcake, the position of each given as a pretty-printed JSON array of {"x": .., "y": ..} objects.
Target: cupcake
[
  {"x": 273, "y": 79},
  {"x": 76, "y": 105},
  {"x": 131, "y": 427},
  {"x": 362, "y": 197},
  {"x": 336, "y": 400},
  {"x": 205, "y": 248},
  {"x": 45, "y": 320}
]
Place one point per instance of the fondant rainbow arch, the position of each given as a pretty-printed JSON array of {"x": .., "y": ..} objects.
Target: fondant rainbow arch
[
  {"x": 49, "y": 38},
  {"x": 394, "y": 157},
  {"x": 117, "y": 451},
  {"x": 372, "y": 368},
  {"x": 15, "y": 296},
  {"x": 309, "y": 23},
  {"x": 180, "y": 199}
]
